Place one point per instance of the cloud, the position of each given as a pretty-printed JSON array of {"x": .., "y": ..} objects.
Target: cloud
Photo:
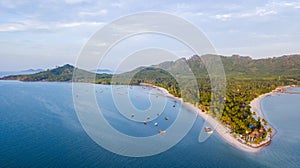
[
  {"x": 10, "y": 28},
  {"x": 10, "y": 3},
  {"x": 228, "y": 11},
  {"x": 257, "y": 12},
  {"x": 93, "y": 14},
  {"x": 77, "y": 24},
  {"x": 21, "y": 26},
  {"x": 117, "y": 4},
  {"x": 29, "y": 26},
  {"x": 271, "y": 8},
  {"x": 295, "y": 5},
  {"x": 223, "y": 16},
  {"x": 75, "y": 1}
]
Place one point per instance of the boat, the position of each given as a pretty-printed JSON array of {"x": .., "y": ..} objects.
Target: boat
[
  {"x": 162, "y": 131},
  {"x": 156, "y": 124},
  {"x": 208, "y": 130}
]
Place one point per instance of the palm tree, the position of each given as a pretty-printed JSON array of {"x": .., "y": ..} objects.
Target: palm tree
[{"x": 269, "y": 130}]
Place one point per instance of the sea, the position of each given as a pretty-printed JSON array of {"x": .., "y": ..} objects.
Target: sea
[{"x": 40, "y": 127}]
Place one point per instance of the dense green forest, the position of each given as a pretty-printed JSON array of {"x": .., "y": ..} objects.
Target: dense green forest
[{"x": 246, "y": 79}]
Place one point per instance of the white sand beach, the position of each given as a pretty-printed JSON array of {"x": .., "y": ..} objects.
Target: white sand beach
[
  {"x": 256, "y": 107},
  {"x": 221, "y": 129}
]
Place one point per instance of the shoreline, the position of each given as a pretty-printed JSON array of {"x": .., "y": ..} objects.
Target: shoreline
[
  {"x": 220, "y": 128},
  {"x": 256, "y": 107}
]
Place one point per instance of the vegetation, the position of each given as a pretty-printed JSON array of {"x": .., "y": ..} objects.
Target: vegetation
[
  {"x": 246, "y": 80},
  {"x": 62, "y": 74}
]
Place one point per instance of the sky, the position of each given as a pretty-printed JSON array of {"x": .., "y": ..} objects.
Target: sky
[{"x": 43, "y": 34}]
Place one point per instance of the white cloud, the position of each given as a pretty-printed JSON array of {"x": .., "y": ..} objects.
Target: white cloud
[
  {"x": 77, "y": 24},
  {"x": 184, "y": 6},
  {"x": 199, "y": 14},
  {"x": 255, "y": 13},
  {"x": 21, "y": 26},
  {"x": 10, "y": 27},
  {"x": 223, "y": 17},
  {"x": 117, "y": 4},
  {"x": 295, "y": 5},
  {"x": 263, "y": 12},
  {"x": 10, "y": 3},
  {"x": 28, "y": 25},
  {"x": 92, "y": 14},
  {"x": 75, "y": 1},
  {"x": 271, "y": 8}
]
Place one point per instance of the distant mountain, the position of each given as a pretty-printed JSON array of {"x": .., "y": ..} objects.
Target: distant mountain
[
  {"x": 63, "y": 73},
  {"x": 236, "y": 67},
  {"x": 32, "y": 70},
  {"x": 25, "y": 72},
  {"x": 105, "y": 71}
]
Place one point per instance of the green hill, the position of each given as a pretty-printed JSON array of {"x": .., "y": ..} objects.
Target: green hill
[
  {"x": 60, "y": 74},
  {"x": 239, "y": 67},
  {"x": 63, "y": 73},
  {"x": 236, "y": 67}
]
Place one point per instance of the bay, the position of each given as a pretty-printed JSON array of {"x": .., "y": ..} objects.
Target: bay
[{"x": 39, "y": 128}]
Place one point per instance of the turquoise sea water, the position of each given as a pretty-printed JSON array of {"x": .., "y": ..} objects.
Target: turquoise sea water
[{"x": 39, "y": 128}]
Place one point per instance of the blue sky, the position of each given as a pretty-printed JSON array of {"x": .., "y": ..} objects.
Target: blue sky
[{"x": 42, "y": 34}]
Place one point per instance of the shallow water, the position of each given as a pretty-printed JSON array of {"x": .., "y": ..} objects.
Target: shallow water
[{"x": 39, "y": 127}]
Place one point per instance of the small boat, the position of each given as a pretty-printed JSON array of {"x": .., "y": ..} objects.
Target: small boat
[
  {"x": 145, "y": 123},
  {"x": 208, "y": 130},
  {"x": 166, "y": 118},
  {"x": 148, "y": 118},
  {"x": 156, "y": 124},
  {"x": 162, "y": 131},
  {"x": 132, "y": 115}
]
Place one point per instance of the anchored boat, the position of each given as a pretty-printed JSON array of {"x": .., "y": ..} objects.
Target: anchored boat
[{"x": 208, "y": 130}]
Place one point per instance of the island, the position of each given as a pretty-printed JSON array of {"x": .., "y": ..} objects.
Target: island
[{"x": 241, "y": 123}]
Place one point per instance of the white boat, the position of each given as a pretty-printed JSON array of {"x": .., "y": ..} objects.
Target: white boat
[
  {"x": 208, "y": 130},
  {"x": 162, "y": 131}
]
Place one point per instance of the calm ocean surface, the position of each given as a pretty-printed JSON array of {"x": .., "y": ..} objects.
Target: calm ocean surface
[{"x": 39, "y": 128}]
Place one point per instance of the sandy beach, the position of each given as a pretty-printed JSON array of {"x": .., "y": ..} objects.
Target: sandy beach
[
  {"x": 256, "y": 107},
  {"x": 221, "y": 129}
]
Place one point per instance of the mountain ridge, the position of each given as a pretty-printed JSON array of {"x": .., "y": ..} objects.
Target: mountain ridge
[{"x": 235, "y": 66}]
